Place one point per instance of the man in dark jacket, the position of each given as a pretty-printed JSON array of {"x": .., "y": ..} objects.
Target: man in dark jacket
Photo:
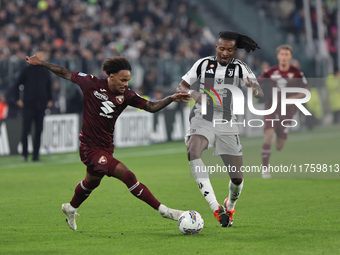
[{"x": 36, "y": 86}]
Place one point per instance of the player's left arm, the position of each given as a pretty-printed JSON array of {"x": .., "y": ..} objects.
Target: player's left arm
[
  {"x": 303, "y": 84},
  {"x": 257, "y": 90},
  {"x": 155, "y": 106},
  {"x": 249, "y": 80}
]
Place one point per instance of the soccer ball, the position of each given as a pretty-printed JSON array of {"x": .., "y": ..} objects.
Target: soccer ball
[{"x": 190, "y": 223}]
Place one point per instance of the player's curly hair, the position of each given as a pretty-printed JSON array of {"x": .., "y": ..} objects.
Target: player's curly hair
[
  {"x": 115, "y": 64},
  {"x": 242, "y": 41}
]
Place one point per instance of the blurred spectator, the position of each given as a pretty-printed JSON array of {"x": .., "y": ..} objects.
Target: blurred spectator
[
  {"x": 332, "y": 41},
  {"x": 3, "y": 107},
  {"x": 333, "y": 89},
  {"x": 35, "y": 82}
]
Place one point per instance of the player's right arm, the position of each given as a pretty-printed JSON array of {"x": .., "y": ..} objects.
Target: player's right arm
[
  {"x": 187, "y": 80},
  {"x": 58, "y": 70}
]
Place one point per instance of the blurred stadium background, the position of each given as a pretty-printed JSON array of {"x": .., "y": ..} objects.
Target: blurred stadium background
[{"x": 162, "y": 39}]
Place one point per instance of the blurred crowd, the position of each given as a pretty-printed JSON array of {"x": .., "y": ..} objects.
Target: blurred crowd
[
  {"x": 82, "y": 33},
  {"x": 289, "y": 15},
  {"x": 97, "y": 29}
]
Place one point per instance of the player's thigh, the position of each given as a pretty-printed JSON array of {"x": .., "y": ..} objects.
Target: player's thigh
[
  {"x": 197, "y": 140},
  {"x": 99, "y": 161},
  {"x": 268, "y": 135}
]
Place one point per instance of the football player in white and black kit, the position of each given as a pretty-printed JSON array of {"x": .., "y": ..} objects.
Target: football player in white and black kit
[{"x": 212, "y": 76}]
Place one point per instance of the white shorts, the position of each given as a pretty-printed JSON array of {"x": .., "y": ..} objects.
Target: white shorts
[{"x": 224, "y": 143}]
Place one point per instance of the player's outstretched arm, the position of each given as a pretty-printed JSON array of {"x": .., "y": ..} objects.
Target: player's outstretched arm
[
  {"x": 184, "y": 87},
  {"x": 155, "y": 106},
  {"x": 257, "y": 90},
  {"x": 58, "y": 70}
]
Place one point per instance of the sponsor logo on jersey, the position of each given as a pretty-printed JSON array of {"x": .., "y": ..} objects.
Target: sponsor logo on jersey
[
  {"x": 290, "y": 75},
  {"x": 210, "y": 71},
  {"x": 102, "y": 160},
  {"x": 120, "y": 99},
  {"x": 100, "y": 95},
  {"x": 103, "y": 90},
  {"x": 82, "y": 74}
]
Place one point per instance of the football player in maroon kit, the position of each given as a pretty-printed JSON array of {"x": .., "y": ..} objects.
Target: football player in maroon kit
[
  {"x": 282, "y": 75},
  {"x": 103, "y": 102}
]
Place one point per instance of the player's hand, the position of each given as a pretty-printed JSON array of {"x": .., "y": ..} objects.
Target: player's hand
[
  {"x": 197, "y": 96},
  {"x": 181, "y": 97},
  {"x": 251, "y": 84},
  {"x": 34, "y": 60}
]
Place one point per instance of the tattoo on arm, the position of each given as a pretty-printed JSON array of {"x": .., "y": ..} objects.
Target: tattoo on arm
[
  {"x": 155, "y": 106},
  {"x": 58, "y": 70}
]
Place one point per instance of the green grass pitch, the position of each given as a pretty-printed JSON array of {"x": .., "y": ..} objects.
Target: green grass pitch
[{"x": 288, "y": 214}]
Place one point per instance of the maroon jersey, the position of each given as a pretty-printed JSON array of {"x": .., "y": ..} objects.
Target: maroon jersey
[
  {"x": 279, "y": 79},
  {"x": 101, "y": 108}
]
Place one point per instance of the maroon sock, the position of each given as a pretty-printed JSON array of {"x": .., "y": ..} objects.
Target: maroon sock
[
  {"x": 265, "y": 154},
  {"x": 139, "y": 190},
  {"x": 82, "y": 191}
]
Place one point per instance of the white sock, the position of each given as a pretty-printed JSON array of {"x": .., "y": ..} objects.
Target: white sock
[
  {"x": 234, "y": 193},
  {"x": 162, "y": 209},
  {"x": 73, "y": 209},
  {"x": 201, "y": 176}
]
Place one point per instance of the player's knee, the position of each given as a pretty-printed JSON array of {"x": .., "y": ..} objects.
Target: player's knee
[
  {"x": 194, "y": 153},
  {"x": 129, "y": 178},
  {"x": 237, "y": 181}
]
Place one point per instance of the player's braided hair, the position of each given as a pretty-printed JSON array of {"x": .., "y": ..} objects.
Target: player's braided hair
[
  {"x": 242, "y": 41},
  {"x": 115, "y": 64}
]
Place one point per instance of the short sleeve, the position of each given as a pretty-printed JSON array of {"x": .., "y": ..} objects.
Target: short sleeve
[
  {"x": 247, "y": 72},
  {"x": 191, "y": 76},
  {"x": 135, "y": 100},
  {"x": 85, "y": 81}
]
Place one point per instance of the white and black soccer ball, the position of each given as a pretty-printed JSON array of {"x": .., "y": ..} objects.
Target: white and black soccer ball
[{"x": 190, "y": 223}]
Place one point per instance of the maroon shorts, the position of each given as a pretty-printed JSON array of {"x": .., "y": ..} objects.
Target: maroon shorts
[
  {"x": 280, "y": 130},
  {"x": 99, "y": 161}
]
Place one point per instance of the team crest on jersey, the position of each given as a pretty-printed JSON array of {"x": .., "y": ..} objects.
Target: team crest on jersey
[
  {"x": 290, "y": 75},
  {"x": 212, "y": 65},
  {"x": 230, "y": 72},
  {"x": 219, "y": 80},
  {"x": 120, "y": 99},
  {"x": 102, "y": 160}
]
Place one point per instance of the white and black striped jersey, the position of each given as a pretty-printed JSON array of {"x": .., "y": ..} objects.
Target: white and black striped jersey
[{"x": 208, "y": 76}]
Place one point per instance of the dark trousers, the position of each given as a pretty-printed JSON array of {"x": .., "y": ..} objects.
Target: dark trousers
[{"x": 29, "y": 116}]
